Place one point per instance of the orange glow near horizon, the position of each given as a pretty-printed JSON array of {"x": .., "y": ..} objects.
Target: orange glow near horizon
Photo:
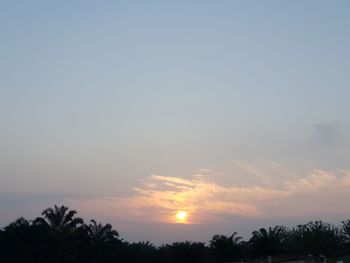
[{"x": 181, "y": 217}]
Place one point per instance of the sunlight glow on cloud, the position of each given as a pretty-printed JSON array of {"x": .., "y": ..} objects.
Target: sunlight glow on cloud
[
  {"x": 195, "y": 195},
  {"x": 312, "y": 183},
  {"x": 159, "y": 198}
]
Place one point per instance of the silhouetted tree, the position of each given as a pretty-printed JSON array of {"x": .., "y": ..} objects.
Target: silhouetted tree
[
  {"x": 64, "y": 240},
  {"x": 59, "y": 219},
  {"x": 268, "y": 242},
  {"x": 102, "y": 239},
  {"x": 60, "y": 236},
  {"x": 317, "y": 237},
  {"x": 141, "y": 252},
  {"x": 226, "y": 248},
  {"x": 100, "y": 234},
  {"x": 183, "y": 252},
  {"x": 17, "y": 240},
  {"x": 345, "y": 232}
]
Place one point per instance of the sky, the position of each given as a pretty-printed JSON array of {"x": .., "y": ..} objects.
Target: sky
[{"x": 234, "y": 114}]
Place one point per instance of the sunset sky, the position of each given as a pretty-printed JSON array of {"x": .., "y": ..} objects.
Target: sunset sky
[{"x": 176, "y": 120}]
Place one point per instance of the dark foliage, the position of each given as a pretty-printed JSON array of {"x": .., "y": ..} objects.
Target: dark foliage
[
  {"x": 225, "y": 248},
  {"x": 270, "y": 242},
  {"x": 60, "y": 236}
]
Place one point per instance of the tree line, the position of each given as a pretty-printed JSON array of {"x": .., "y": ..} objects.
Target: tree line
[{"x": 58, "y": 235}]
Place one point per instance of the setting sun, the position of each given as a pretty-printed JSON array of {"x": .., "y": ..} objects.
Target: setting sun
[{"x": 181, "y": 216}]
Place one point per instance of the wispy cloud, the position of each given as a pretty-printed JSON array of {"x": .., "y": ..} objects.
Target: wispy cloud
[
  {"x": 312, "y": 183},
  {"x": 254, "y": 170},
  {"x": 159, "y": 197},
  {"x": 330, "y": 134},
  {"x": 205, "y": 170}
]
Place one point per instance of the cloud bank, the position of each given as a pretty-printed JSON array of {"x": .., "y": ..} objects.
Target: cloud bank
[{"x": 159, "y": 197}]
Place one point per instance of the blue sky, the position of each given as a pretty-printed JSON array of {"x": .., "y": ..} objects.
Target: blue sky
[{"x": 96, "y": 97}]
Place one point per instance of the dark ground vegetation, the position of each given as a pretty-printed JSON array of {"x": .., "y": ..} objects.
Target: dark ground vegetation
[{"x": 60, "y": 236}]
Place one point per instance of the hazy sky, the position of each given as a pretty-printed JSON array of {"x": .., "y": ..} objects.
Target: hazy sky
[{"x": 236, "y": 112}]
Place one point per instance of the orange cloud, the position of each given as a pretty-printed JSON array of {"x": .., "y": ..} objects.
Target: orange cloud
[
  {"x": 312, "y": 183},
  {"x": 160, "y": 197}
]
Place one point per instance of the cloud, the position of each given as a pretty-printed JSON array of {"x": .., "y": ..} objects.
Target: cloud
[
  {"x": 328, "y": 129},
  {"x": 205, "y": 170},
  {"x": 159, "y": 197},
  {"x": 253, "y": 170},
  {"x": 329, "y": 134},
  {"x": 195, "y": 195},
  {"x": 312, "y": 183},
  {"x": 346, "y": 179}
]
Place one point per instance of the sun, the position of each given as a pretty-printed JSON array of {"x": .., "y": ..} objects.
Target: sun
[{"x": 181, "y": 216}]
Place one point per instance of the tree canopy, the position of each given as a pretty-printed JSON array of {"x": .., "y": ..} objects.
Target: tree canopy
[{"x": 59, "y": 235}]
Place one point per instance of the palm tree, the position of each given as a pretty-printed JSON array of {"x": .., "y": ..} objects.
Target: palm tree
[
  {"x": 101, "y": 233},
  {"x": 63, "y": 236},
  {"x": 226, "y": 248},
  {"x": 102, "y": 241},
  {"x": 59, "y": 219},
  {"x": 63, "y": 240},
  {"x": 268, "y": 242}
]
